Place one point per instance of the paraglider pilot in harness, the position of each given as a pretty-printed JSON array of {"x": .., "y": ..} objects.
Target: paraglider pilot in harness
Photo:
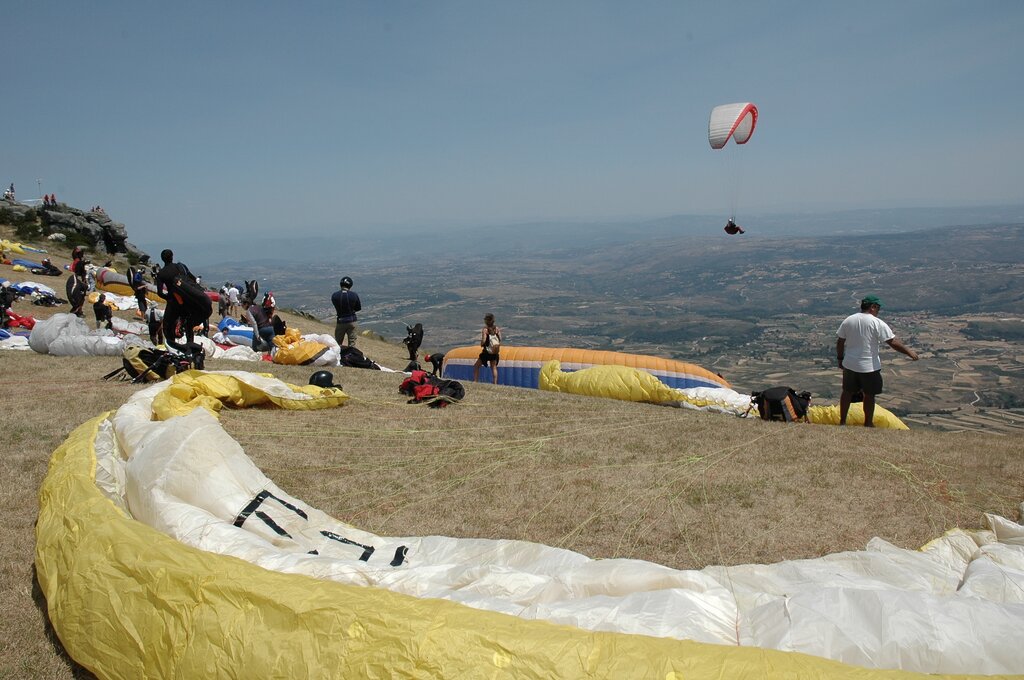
[
  {"x": 732, "y": 228},
  {"x": 186, "y": 300}
]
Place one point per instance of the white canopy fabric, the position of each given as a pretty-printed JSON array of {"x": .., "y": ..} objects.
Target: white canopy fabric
[{"x": 731, "y": 121}]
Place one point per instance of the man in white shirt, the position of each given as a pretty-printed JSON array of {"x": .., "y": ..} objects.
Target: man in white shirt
[
  {"x": 232, "y": 299},
  {"x": 860, "y": 337}
]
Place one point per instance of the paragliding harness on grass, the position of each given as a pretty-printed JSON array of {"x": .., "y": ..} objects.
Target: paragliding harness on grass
[
  {"x": 435, "y": 392},
  {"x": 782, "y": 404},
  {"x": 140, "y": 364},
  {"x": 354, "y": 358},
  {"x": 44, "y": 299}
]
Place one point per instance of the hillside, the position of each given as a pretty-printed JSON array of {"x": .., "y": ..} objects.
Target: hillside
[{"x": 604, "y": 478}]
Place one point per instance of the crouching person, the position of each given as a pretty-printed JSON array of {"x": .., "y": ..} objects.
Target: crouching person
[{"x": 260, "y": 318}]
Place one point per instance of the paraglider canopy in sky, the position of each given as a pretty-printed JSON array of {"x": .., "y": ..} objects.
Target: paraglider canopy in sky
[
  {"x": 731, "y": 121},
  {"x": 735, "y": 122}
]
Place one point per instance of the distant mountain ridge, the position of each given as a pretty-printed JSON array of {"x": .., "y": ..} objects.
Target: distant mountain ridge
[{"x": 379, "y": 245}]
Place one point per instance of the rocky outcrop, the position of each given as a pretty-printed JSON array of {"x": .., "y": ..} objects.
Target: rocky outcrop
[
  {"x": 18, "y": 210},
  {"x": 96, "y": 226}
]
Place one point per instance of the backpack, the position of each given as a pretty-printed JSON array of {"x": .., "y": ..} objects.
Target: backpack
[
  {"x": 354, "y": 358},
  {"x": 426, "y": 389},
  {"x": 47, "y": 300},
  {"x": 190, "y": 295},
  {"x": 493, "y": 343},
  {"x": 141, "y": 364},
  {"x": 782, "y": 404}
]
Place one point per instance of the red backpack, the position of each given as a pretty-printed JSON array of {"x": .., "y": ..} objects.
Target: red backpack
[{"x": 426, "y": 389}]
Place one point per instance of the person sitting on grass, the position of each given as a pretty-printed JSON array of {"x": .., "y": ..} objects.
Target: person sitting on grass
[{"x": 104, "y": 315}]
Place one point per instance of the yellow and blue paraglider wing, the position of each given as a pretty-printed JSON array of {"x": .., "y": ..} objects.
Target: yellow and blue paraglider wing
[{"x": 521, "y": 366}]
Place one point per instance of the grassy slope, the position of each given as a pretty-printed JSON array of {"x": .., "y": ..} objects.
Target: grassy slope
[{"x": 606, "y": 478}]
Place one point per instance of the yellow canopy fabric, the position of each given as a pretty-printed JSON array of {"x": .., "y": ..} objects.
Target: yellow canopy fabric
[
  {"x": 11, "y": 247},
  {"x": 213, "y": 391},
  {"x": 293, "y": 350},
  {"x": 632, "y": 384},
  {"x": 829, "y": 415}
]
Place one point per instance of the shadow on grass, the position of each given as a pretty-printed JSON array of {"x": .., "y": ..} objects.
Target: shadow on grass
[{"x": 78, "y": 671}]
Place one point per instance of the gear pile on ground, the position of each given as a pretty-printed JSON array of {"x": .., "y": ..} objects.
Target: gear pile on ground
[{"x": 428, "y": 389}]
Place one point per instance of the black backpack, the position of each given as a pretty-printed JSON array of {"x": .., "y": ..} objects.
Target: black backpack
[
  {"x": 141, "y": 364},
  {"x": 782, "y": 404},
  {"x": 191, "y": 296},
  {"x": 354, "y": 358}
]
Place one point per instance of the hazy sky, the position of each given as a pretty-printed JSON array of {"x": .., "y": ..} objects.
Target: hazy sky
[{"x": 298, "y": 117}]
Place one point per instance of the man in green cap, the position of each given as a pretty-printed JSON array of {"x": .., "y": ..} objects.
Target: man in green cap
[{"x": 860, "y": 336}]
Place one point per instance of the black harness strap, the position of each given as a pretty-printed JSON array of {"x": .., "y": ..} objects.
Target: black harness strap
[
  {"x": 257, "y": 501},
  {"x": 367, "y": 549}
]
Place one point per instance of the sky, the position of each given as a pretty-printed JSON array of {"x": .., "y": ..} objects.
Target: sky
[{"x": 235, "y": 119}]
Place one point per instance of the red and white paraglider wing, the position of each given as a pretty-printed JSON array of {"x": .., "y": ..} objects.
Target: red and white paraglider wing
[{"x": 735, "y": 121}]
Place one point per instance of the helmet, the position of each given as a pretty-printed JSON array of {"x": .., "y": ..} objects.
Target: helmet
[
  {"x": 346, "y": 282},
  {"x": 323, "y": 379}
]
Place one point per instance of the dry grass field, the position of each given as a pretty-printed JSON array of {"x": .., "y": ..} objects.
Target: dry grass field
[{"x": 605, "y": 478}]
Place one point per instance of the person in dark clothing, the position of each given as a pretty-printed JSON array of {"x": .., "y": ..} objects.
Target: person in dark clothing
[
  {"x": 413, "y": 339},
  {"x": 436, "y": 362},
  {"x": 77, "y": 255},
  {"x": 7, "y": 297},
  {"x": 176, "y": 284},
  {"x": 261, "y": 320},
  {"x": 138, "y": 283},
  {"x": 155, "y": 319},
  {"x": 346, "y": 304},
  {"x": 48, "y": 268},
  {"x": 76, "y": 288},
  {"x": 104, "y": 315},
  {"x": 732, "y": 228}
]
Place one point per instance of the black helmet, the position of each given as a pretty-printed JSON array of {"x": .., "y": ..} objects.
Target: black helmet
[
  {"x": 346, "y": 282},
  {"x": 323, "y": 379}
]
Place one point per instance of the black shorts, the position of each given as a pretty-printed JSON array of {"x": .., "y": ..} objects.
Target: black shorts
[
  {"x": 488, "y": 358},
  {"x": 868, "y": 383}
]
